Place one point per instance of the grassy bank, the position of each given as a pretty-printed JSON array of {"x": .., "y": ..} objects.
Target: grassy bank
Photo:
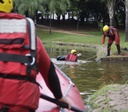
[
  {"x": 66, "y": 37},
  {"x": 110, "y": 98},
  {"x": 78, "y": 37}
]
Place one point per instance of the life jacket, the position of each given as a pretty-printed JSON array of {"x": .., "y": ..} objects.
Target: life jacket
[
  {"x": 110, "y": 34},
  {"x": 71, "y": 57},
  {"x": 18, "y": 66}
]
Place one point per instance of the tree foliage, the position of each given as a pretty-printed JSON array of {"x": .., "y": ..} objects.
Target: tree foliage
[
  {"x": 32, "y": 6},
  {"x": 110, "y": 12},
  {"x": 29, "y": 6}
]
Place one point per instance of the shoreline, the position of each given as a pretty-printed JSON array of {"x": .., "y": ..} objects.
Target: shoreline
[{"x": 110, "y": 98}]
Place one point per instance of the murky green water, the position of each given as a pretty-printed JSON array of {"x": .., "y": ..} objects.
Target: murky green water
[{"x": 92, "y": 75}]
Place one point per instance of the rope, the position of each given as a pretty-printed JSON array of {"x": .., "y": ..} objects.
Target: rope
[{"x": 91, "y": 57}]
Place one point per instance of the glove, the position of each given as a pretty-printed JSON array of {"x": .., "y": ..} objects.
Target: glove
[{"x": 79, "y": 54}]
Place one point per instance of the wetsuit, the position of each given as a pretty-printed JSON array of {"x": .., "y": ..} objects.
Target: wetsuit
[{"x": 112, "y": 35}]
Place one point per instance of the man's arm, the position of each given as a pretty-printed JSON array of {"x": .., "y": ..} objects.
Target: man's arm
[
  {"x": 103, "y": 39},
  {"x": 47, "y": 70}
]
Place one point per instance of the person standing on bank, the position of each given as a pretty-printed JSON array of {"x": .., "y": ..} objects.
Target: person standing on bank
[
  {"x": 113, "y": 36},
  {"x": 22, "y": 56}
]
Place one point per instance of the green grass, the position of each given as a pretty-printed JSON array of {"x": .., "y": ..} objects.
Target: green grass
[
  {"x": 102, "y": 94},
  {"x": 85, "y": 37}
]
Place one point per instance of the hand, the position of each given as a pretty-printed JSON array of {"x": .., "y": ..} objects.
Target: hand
[
  {"x": 64, "y": 100},
  {"x": 79, "y": 54}
]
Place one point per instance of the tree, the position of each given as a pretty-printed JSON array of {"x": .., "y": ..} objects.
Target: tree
[
  {"x": 111, "y": 10},
  {"x": 29, "y": 7},
  {"x": 98, "y": 10},
  {"x": 126, "y": 18},
  {"x": 75, "y": 11},
  {"x": 111, "y": 4},
  {"x": 120, "y": 14},
  {"x": 58, "y": 6}
]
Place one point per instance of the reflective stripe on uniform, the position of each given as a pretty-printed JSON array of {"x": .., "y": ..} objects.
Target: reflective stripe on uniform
[
  {"x": 32, "y": 34},
  {"x": 12, "y": 26}
]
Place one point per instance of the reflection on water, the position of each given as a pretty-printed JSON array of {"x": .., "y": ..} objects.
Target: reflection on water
[{"x": 90, "y": 76}]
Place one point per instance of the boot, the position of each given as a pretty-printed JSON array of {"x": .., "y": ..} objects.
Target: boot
[
  {"x": 108, "y": 49},
  {"x": 118, "y": 48}
]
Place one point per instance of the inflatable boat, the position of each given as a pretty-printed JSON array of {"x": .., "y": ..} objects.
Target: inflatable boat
[{"x": 47, "y": 101}]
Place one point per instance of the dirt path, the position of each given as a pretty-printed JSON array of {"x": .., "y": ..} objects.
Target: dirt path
[{"x": 68, "y": 31}]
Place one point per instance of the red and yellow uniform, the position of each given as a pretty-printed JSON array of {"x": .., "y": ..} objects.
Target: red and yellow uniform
[
  {"x": 113, "y": 36},
  {"x": 18, "y": 88}
]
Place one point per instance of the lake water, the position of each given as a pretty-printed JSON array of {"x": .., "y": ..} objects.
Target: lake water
[{"x": 90, "y": 75}]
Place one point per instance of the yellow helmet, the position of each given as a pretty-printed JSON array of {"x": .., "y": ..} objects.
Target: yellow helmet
[
  {"x": 73, "y": 51},
  {"x": 105, "y": 28},
  {"x": 6, "y": 5}
]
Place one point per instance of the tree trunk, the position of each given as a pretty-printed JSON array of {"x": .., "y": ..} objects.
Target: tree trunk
[
  {"x": 126, "y": 24},
  {"x": 50, "y": 25},
  {"x": 111, "y": 21},
  {"x": 112, "y": 15},
  {"x": 111, "y": 9},
  {"x": 77, "y": 26},
  {"x": 126, "y": 19},
  {"x": 63, "y": 17}
]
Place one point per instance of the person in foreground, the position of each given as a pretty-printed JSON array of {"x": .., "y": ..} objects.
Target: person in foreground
[
  {"x": 72, "y": 56},
  {"x": 22, "y": 56},
  {"x": 113, "y": 36}
]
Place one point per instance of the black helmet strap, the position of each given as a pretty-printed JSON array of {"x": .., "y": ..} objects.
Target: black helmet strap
[{"x": 1, "y": 1}]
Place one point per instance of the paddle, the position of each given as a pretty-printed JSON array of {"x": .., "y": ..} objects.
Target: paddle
[{"x": 61, "y": 104}]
